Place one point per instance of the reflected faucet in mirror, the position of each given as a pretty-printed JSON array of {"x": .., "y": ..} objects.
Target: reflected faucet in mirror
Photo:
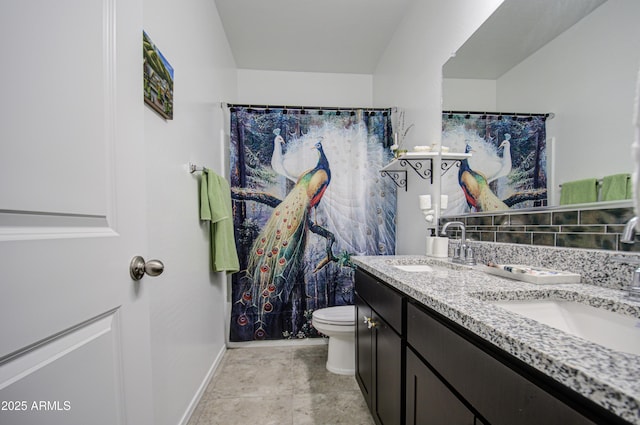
[{"x": 629, "y": 232}]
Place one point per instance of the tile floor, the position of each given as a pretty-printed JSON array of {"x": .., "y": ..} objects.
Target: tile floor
[{"x": 285, "y": 385}]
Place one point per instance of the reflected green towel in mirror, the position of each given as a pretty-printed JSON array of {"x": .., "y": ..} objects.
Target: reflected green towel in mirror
[
  {"x": 579, "y": 192},
  {"x": 616, "y": 187}
]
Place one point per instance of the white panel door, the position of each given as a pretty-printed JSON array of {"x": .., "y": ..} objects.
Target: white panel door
[{"x": 74, "y": 327}]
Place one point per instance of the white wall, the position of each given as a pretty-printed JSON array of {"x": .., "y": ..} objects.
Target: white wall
[
  {"x": 469, "y": 95},
  {"x": 187, "y": 304},
  {"x": 304, "y": 88},
  {"x": 410, "y": 76},
  {"x": 586, "y": 77}
]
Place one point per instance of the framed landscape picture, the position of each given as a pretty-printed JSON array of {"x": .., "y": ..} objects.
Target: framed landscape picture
[{"x": 158, "y": 79}]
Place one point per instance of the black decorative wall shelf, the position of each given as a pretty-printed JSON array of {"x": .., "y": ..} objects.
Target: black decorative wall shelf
[{"x": 422, "y": 164}]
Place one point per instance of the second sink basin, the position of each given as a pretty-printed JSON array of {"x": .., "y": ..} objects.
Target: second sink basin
[{"x": 607, "y": 328}]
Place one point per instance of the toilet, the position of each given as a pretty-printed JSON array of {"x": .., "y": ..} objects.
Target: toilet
[{"x": 339, "y": 324}]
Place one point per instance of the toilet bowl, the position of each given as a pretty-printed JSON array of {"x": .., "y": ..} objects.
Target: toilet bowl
[{"x": 339, "y": 324}]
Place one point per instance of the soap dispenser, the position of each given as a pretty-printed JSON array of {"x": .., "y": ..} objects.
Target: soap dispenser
[{"x": 431, "y": 234}]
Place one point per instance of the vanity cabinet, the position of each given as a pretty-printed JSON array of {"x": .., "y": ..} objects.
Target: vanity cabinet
[
  {"x": 379, "y": 348},
  {"x": 418, "y": 367},
  {"x": 496, "y": 393}
]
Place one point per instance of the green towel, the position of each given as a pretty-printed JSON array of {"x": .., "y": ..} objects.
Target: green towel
[
  {"x": 579, "y": 192},
  {"x": 616, "y": 187},
  {"x": 215, "y": 206}
]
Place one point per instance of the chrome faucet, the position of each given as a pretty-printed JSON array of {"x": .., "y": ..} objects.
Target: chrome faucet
[
  {"x": 462, "y": 253},
  {"x": 633, "y": 288},
  {"x": 629, "y": 232}
]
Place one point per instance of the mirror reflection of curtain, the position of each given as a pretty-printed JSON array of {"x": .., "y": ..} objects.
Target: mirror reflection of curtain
[
  {"x": 307, "y": 195},
  {"x": 507, "y": 168}
]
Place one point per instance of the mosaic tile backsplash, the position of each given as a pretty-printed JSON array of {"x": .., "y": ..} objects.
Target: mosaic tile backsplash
[{"x": 579, "y": 228}]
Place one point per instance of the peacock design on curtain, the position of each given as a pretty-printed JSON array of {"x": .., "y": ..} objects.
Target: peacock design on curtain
[
  {"x": 307, "y": 195},
  {"x": 277, "y": 251}
]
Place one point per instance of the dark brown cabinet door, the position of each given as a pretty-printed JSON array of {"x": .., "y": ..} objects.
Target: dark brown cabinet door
[
  {"x": 364, "y": 350},
  {"x": 379, "y": 353},
  {"x": 388, "y": 373},
  {"x": 429, "y": 401}
]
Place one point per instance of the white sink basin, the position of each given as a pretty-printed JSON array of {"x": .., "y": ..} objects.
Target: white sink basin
[
  {"x": 414, "y": 267},
  {"x": 612, "y": 330}
]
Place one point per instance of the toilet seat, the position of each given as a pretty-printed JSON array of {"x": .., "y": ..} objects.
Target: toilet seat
[{"x": 343, "y": 315}]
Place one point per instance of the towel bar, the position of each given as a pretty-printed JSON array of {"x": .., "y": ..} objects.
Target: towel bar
[
  {"x": 599, "y": 181},
  {"x": 193, "y": 168}
]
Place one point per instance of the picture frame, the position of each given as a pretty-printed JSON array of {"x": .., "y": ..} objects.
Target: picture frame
[{"x": 157, "y": 79}]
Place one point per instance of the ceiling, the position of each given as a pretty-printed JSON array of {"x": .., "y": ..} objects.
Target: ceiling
[
  {"x": 512, "y": 33},
  {"x": 350, "y": 36},
  {"x": 328, "y": 36}
]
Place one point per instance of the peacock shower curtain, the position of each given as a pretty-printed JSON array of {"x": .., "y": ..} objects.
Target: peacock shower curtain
[
  {"x": 307, "y": 195},
  {"x": 507, "y": 168}
]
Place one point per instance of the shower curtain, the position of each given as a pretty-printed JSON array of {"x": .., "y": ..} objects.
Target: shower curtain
[
  {"x": 307, "y": 195},
  {"x": 508, "y": 161}
]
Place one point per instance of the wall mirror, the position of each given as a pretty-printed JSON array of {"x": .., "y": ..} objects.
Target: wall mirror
[{"x": 576, "y": 59}]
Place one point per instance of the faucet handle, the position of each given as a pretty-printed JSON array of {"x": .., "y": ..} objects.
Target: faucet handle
[
  {"x": 633, "y": 290},
  {"x": 470, "y": 259},
  {"x": 457, "y": 251},
  {"x": 635, "y": 281}
]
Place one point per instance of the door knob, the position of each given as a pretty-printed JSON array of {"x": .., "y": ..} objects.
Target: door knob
[{"x": 139, "y": 267}]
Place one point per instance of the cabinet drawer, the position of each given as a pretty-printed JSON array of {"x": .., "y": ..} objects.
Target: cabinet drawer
[
  {"x": 499, "y": 393},
  {"x": 384, "y": 300}
]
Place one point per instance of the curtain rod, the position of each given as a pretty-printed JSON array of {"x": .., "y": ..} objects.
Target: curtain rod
[
  {"x": 549, "y": 115},
  {"x": 321, "y": 108}
]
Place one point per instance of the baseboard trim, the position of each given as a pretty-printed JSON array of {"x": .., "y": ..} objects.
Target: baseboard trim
[
  {"x": 279, "y": 343},
  {"x": 202, "y": 388}
]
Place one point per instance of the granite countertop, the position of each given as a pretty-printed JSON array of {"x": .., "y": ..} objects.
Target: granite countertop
[{"x": 609, "y": 378}]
